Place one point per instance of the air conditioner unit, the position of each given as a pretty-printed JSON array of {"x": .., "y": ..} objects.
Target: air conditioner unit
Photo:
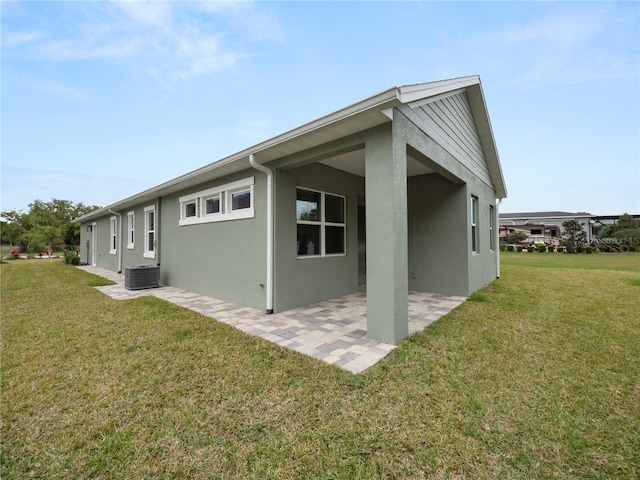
[{"x": 138, "y": 277}]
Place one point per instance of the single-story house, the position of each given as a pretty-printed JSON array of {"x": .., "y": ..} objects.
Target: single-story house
[
  {"x": 548, "y": 234},
  {"x": 397, "y": 192},
  {"x": 549, "y": 223}
]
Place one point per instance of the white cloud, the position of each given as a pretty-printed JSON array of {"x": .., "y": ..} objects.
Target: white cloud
[
  {"x": 566, "y": 47},
  {"x": 14, "y": 39},
  {"x": 172, "y": 41}
]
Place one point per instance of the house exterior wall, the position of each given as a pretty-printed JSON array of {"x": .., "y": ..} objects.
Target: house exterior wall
[
  {"x": 450, "y": 123},
  {"x": 301, "y": 281},
  {"x": 102, "y": 229},
  {"x": 481, "y": 267},
  {"x": 225, "y": 260},
  {"x": 438, "y": 236}
]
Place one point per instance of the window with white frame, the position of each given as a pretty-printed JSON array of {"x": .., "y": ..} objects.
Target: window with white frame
[
  {"x": 150, "y": 232},
  {"x": 474, "y": 224},
  {"x": 212, "y": 205},
  {"x": 131, "y": 226},
  {"x": 113, "y": 235},
  {"x": 231, "y": 201},
  {"x": 492, "y": 227},
  {"x": 321, "y": 226}
]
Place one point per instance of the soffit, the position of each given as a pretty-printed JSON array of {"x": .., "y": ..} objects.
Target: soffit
[{"x": 354, "y": 163}]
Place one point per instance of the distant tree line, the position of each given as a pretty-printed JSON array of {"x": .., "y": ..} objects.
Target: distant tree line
[{"x": 46, "y": 226}]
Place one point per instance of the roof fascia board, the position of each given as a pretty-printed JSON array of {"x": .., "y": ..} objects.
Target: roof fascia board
[
  {"x": 413, "y": 93},
  {"x": 382, "y": 101},
  {"x": 487, "y": 139},
  {"x": 435, "y": 98}
]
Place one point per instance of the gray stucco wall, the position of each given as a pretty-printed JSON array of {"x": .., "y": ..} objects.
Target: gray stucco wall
[
  {"x": 101, "y": 233},
  {"x": 307, "y": 280},
  {"x": 438, "y": 235},
  {"x": 482, "y": 265},
  {"x": 225, "y": 260}
]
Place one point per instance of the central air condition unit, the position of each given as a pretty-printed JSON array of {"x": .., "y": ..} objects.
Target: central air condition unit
[{"x": 138, "y": 277}]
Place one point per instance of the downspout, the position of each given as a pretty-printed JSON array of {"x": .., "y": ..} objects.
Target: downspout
[
  {"x": 156, "y": 240},
  {"x": 270, "y": 253},
  {"x": 119, "y": 239},
  {"x": 497, "y": 240}
]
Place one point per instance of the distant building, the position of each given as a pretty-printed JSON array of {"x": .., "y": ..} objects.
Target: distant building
[{"x": 546, "y": 227}]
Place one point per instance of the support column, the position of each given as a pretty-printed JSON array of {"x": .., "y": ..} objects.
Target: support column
[{"x": 387, "y": 245}]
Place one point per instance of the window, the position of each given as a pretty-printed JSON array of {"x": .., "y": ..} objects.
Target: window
[
  {"x": 492, "y": 227},
  {"x": 150, "y": 232},
  {"x": 240, "y": 199},
  {"x": 536, "y": 231},
  {"x": 321, "y": 227},
  {"x": 231, "y": 201},
  {"x": 113, "y": 236},
  {"x": 212, "y": 205},
  {"x": 131, "y": 221},
  {"x": 190, "y": 210},
  {"x": 474, "y": 224}
]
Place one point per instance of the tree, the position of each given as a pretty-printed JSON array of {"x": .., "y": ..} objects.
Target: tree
[
  {"x": 47, "y": 224},
  {"x": 573, "y": 236},
  {"x": 623, "y": 235},
  {"x": 515, "y": 237}
]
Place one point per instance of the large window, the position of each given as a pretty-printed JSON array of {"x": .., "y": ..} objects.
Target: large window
[
  {"x": 321, "y": 226},
  {"x": 113, "y": 235},
  {"x": 150, "y": 232},
  {"x": 492, "y": 227},
  {"x": 131, "y": 225},
  {"x": 231, "y": 201},
  {"x": 474, "y": 225}
]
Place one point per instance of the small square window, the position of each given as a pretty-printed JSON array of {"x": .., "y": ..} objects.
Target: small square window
[
  {"x": 190, "y": 210},
  {"x": 334, "y": 209},
  {"x": 334, "y": 240},
  {"x": 212, "y": 205},
  {"x": 308, "y": 240},
  {"x": 241, "y": 200},
  {"x": 308, "y": 206}
]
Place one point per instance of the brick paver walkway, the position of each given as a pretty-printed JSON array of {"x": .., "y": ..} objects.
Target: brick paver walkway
[{"x": 334, "y": 331}]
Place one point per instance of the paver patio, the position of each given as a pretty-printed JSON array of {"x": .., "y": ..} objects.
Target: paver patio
[{"x": 334, "y": 331}]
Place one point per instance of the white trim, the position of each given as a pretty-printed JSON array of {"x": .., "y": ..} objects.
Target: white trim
[
  {"x": 131, "y": 230},
  {"x": 225, "y": 193},
  {"x": 492, "y": 228},
  {"x": 113, "y": 235},
  {"x": 475, "y": 231},
  {"x": 149, "y": 253},
  {"x": 94, "y": 246},
  {"x": 323, "y": 224}
]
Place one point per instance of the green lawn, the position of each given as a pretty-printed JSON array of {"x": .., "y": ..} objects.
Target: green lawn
[{"x": 537, "y": 376}]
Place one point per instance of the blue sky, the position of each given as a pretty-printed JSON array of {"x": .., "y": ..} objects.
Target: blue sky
[{"x": 103, "y": 100}]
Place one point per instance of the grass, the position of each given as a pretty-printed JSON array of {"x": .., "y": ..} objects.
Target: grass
[{"x": 536, "y": 377}]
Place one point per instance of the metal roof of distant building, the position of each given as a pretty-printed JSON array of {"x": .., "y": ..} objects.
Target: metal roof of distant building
[{"x": 542, "y": 214}]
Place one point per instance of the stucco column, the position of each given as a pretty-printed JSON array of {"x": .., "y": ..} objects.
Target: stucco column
[{"x": 386, "y": 215}]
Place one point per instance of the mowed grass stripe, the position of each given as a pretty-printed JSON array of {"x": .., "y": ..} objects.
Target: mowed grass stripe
[{"x": 535, "y": 376}]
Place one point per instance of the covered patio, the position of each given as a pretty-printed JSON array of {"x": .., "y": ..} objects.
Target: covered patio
[{"x": 334, "y": 331}]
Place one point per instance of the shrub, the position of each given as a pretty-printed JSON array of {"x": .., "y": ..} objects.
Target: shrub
[
  {"x": 71, "y": 258},
  {"x": 503, "y": 248},
  {"x": 519, "y": 247},
  {"x": 530, "y": 248},
  {"x": 588, "y": 249},
  {"x": 551, "y": 248},
  {"x": 510, "y": 248},
  {"x": 541, "y": 247},
  {"x": 561, "y": 249}
]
